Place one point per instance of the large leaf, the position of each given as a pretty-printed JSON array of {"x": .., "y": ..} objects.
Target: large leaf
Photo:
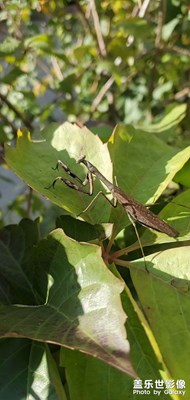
[
  {"x": 143, "y": 165},
  {"x": 92, "y": 379},
  {"x": 83, "y": 309},
  {"x": 27, "y": 370},
  {"x": 16, "y": 270},
  {"x": 165, "y": 298},
  {"x": 33, "y": 162},
  {"x": 111, "y": 383}
]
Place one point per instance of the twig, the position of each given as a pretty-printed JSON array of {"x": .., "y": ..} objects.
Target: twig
[
  {"x": 143, "y": 8},
  {"x": 57, "y": 68},
  {"x": 101, "y": 44},
  {"x": 102, "y": 93},
  {"x": 161, "y": 19},
  {"x": 106, "y": 87},
  {"x": 85, "y": 19},
  {"x": 182, "y": 93},
  {"x": 179, "y": 50}
]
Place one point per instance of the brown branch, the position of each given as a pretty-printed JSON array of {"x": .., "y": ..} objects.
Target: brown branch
[
  {"x": 100, "y": 40},
  {"x": 16, "y": 111},
  {"x": 85, "y": 20},
  {"x": 106, "y": 87},
  {"x": 161, "y": 19},
  {"x": 179, "y": 50},
  {"x": 143, "y": 8},
  {"x": 140, "y": 9},
  {"x": 102, "y": 93},
  {"x": 182, "y": 93}
]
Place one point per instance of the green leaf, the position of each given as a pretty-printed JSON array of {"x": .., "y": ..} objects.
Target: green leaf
[
  {"x": 17, "y": 273},
  {"x": 140, "y": 160},
  {"x": 160, "y": 90},
  {"x": 183, "y": 176},
  {"x": 8, "y": 46},
  {"x": 169, "y": 28},
  {"x": 82, "y": 231},
  {"x": 67, "y": 83},
  {"x": 166, "y": 306},
  {"x": 136, "y": 26},
  {"x": 28, "y": 370},
  {"x": 145, "y": 354},
  {"x": 12, "y": 75},
  {"x": 42, "y": 41},
  {"x": 111, "y": 383},
  {"x": 3, "y": 136},
  {"x": 179, "y": 212},
  {"x": 143, "y": 164},
  {"x": 83, "y": 309},
  {"x": 172, "y": 117},
  {"x": 104, "y": 131},
  {"x": 33, "y": 162}
]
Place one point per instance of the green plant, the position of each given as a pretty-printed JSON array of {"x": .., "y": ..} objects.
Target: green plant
[
  {"x": 74, "y": 293},
  {"x": 60, "y": 290}
]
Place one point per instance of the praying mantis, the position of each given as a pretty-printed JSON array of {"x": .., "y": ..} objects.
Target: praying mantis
[{"x": 136, "y": 211}]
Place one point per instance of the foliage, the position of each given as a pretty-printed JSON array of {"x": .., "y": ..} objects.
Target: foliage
[
  {"x": 75, "y": 324},
  {"x": 56, "y": 61}
]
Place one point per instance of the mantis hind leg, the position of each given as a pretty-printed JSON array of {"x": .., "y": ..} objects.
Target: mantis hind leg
[
  {"x": 138, "y": 238},
  {"x": 114, "y": 204}
]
